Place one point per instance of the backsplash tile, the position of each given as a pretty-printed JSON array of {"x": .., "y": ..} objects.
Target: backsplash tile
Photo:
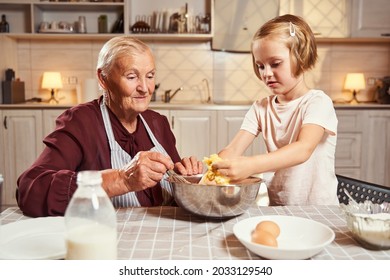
[{"x": 230, "y": 75}]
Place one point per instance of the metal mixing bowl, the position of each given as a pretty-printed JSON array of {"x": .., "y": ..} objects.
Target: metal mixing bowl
[{"x": 216, "y": 201}]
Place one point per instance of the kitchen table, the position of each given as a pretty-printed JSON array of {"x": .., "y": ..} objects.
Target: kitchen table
[{"x": 171, "y": 233}]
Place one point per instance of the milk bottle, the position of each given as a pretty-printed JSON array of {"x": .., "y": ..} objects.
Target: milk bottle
[{"x": 90, "y": 221}]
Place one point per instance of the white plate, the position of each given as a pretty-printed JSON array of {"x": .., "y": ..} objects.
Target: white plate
[
  {"x": 38, "y": 238},
  {"x": 299, "y": 238}
]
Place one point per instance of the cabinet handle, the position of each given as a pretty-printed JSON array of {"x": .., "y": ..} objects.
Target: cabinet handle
[
  {"x": 5, "y": 122},
  {"x": 173, "y": 122}
]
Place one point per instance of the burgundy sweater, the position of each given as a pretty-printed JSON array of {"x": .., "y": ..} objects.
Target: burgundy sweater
[{"x": 78, "y": 143}]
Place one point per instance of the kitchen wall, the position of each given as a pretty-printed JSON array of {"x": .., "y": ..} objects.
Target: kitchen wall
[{"x": 230, "y": 75}]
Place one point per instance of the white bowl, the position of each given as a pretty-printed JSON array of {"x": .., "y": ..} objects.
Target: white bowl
[{"x": 299, "y": 238}]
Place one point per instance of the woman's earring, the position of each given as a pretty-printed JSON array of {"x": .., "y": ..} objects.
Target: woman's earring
[{"x": 292, "y": 29}]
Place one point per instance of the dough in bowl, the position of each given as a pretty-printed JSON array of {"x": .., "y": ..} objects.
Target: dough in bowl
[{"x": 213, "y": 177}]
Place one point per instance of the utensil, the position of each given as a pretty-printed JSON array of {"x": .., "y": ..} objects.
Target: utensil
[
  {"x": 350, "y": 197},
  {"x": 176, "y": 177}
]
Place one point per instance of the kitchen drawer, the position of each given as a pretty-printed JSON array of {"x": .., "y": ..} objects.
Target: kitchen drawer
[
  {"x": 350, "y": 121},
  {"x": 349, "y": 172},
  {"x": 348, "y": 150}
]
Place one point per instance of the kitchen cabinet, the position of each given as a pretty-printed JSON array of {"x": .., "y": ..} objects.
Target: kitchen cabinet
[
  {"x": 326, "y": 18},
  {"x": 229, "y": 123},
  {"x": 363, "y": 146},
  {"x": 21, "y": 133},
  {"x": 25, "y": 18},
  {"x": 376, "y": 147},
  {"x": 195, "y": 132},
  {"x": 349, "y": 143},
  {"x": 235, "y": 22},
  {"x": 49, "y": 120},
  {"x": 370, "y": 18}
]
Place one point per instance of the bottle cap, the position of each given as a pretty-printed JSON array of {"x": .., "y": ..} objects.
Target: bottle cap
[{"x": 89, "y": 177}]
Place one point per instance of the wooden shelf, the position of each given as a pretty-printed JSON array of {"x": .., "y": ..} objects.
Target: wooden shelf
[
  {"x": 106, "y": 36},
  {"x": 354, "y": 40}
]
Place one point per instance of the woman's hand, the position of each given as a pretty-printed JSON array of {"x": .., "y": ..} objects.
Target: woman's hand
[
  {"x": 189, "y": 166},
  {"x": 146, "y": 171}
]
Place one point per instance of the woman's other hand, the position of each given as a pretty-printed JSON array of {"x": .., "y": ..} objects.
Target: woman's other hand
[{"x": 189, "y": 166}]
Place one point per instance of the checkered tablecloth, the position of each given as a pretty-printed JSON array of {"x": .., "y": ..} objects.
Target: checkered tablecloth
[{"x": 172, "y": 233}]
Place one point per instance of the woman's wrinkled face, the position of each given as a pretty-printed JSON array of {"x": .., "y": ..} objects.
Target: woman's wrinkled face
[
  {"x": 131, "y": 81},
  {"x": 272, "y": 57}
]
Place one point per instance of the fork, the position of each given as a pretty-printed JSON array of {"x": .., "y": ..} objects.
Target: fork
[{"x": 176, "y": 177}]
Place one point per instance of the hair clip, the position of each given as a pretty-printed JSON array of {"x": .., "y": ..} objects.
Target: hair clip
[{"x": 292, "y": 29}]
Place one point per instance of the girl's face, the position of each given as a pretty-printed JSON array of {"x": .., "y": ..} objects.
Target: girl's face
[
  {"x": 131, "y": 81},
  {"x": 272, "y": 58}
]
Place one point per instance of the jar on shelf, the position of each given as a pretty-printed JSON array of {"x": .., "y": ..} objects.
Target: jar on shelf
[
  {"x": 4, "y": 25},
  {"x": 90, "y": 221},
  {"x": 102, "y": 24}
]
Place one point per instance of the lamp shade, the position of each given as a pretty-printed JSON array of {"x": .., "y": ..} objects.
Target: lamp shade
[
  {"x": 51, "y": 80},
  {"x": 355, "y": 82}
]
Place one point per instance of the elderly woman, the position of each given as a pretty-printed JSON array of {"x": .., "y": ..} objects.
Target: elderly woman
[{"x": 106, "y": 134}]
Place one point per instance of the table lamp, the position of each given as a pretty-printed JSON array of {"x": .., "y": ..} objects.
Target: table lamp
[
  {"x": 52, "y": 81},
  {"x": 354, "y": 82}
]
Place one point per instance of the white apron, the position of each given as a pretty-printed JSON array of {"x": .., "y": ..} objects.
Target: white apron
[{"x": 119, "y": 158}]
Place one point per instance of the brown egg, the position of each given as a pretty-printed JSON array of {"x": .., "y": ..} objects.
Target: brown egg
[
  {"x": 270, "y": 227},
  {"x": 264, "y": 238}
]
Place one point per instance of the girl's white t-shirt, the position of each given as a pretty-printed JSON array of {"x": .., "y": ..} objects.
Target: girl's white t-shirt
[{"x": 314, "y": 181}]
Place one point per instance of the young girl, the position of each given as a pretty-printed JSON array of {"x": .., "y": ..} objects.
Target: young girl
[{"x": 298, "y": 124}]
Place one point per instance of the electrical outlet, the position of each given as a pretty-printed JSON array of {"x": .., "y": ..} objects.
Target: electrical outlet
[
  {"x": 72, "y": 80},
  {"x": 371, "y": 81}
]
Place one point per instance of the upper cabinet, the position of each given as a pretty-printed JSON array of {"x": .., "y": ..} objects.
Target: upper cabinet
[
  {"x": 327, "y": 18},
  {"x": 343, "y": 18},
  {"x": 370, "y": 18},
  {"x": 344, "y": 21},
  {"x": 237, "y": 21},
  {"x": 164, "y": 19}
]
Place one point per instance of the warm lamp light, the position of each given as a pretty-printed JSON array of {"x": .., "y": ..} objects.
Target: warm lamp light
[
  {"x": 52, "y": 81},
  {"x": 355, "y": 82}
]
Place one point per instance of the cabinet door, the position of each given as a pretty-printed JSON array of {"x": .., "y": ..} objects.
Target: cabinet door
[
  {"x": 22, "y": 143},
  {"x": 164, "y": 112},
  {"x": 348, "y": 160},
  {"x": 376, "y": 150},
  {"x": 370, "y": 18},
  {"x": 235, "y": 22},
  {"x": 229, "y": 123},
  {"x": 326, "y": 18},
  {"x": 195, "y": 132},
  {"x": 49, "y": 120}
]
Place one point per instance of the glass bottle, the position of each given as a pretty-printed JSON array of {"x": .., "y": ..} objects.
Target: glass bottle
[
  {"x": 90, "y": 221},
  {"x": 4, "y": 26},
  {"x": 102, "y": 24}
]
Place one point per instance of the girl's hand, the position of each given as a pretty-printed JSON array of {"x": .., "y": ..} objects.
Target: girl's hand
[{"x": 236, "y": 169}]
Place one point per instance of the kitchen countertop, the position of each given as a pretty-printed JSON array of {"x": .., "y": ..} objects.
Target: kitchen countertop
[{"x": 194, "y": 106}]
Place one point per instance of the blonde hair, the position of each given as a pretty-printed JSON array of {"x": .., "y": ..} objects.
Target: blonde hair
[
  {"x": 298, "y": 38},
  {"x": 116, "y": 48}
]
